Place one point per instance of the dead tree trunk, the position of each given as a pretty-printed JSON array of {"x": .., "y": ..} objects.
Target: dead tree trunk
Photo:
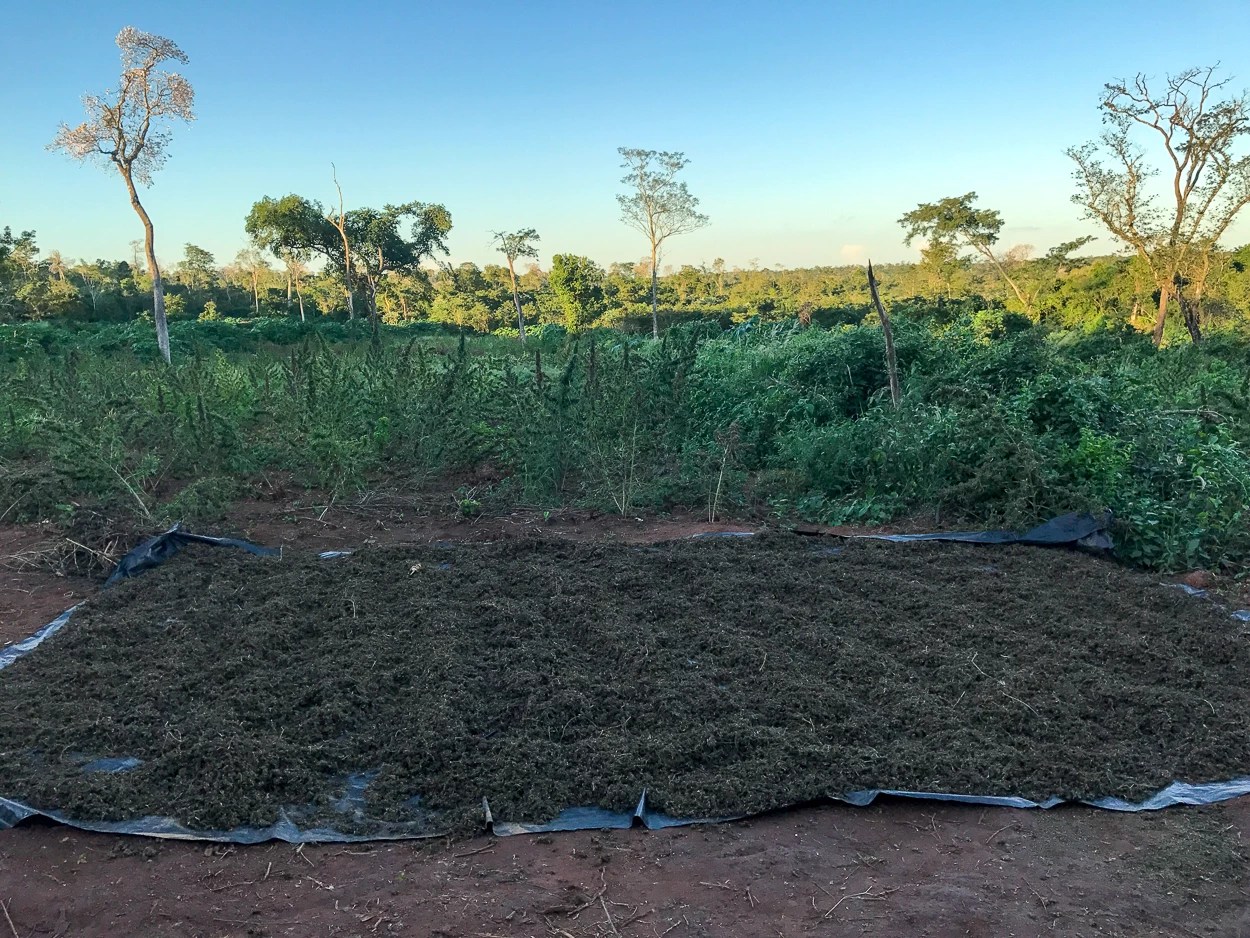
[
  {"x": 655, "y": 319},
  {"x": 891, "y": 362},
  {"x": 1189, "y": 309},
  {"x": 1162, "y": 316},
  {"x": 516, "y": 299}
]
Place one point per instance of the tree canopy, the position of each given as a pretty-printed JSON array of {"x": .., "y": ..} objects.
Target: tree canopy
[
  {"x": 514, "y": 245},
  {"x": 376, "y": 238},
  {"x": 128, "y": 129},
  {"x": 1174, "y": 229},
  {"x": 659, "y": 205},
  {"x": 954, "y": 223},
  {"x": 577, "y": 283}
]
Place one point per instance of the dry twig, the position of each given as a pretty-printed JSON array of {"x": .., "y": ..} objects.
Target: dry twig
[
  {"x": 470, "y": 853},
  {"x": 249, "y": 882},
  {"x": 129, "y": 488},
  {"x": 1040, "y": 897},
  {"x": 589, "y": 902},
  {"x": 996, "y": 833},
  {"x": 611, "y": 924},
  {"x": 867, "y": 894}
]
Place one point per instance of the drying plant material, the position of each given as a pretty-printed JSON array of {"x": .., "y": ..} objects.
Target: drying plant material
[{"x": 723, "y": 676}]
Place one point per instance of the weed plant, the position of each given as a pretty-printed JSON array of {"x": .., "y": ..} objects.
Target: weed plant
[{"x": 1001, "y": 423}]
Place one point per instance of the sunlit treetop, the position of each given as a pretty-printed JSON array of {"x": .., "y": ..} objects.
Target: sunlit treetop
[{"x": 126, "y": 127}]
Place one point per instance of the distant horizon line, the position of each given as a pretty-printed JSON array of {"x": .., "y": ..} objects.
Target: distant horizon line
[{"x": 665, "y": 270}]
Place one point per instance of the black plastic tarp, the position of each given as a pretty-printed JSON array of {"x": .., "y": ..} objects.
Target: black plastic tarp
[
  {"x": 1075, "y": 529},
  {"x": 1083, "y": 530},
  {"x": 156, "y": 550}
]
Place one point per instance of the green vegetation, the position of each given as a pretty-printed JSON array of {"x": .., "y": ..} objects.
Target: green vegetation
[
  {"x": 1031, "y": 385},
  {"x": 1002, "y": 422},
  {"x": 1061, "y": 291},
  {"x": 1171, "y": 234}
]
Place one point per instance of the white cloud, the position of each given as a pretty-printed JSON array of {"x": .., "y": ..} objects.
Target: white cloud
[{"x": 852, "y": 253}]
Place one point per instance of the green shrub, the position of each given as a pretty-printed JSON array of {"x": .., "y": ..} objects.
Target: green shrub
[{"x": 1002, "y": 423}]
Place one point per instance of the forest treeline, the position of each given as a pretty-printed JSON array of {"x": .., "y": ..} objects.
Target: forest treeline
[
  {"x": 577, "y": 293},
  {"x": 385, "y": 263}
]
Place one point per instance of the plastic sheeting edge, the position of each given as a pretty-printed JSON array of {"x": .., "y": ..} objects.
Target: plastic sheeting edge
[
  {"x": 590, "y": 818},
  {"x": 1076, "y": 528},
  {"x": 157, "y": 549},
  {"x": 23, "y": 648},
  {"x": 163, "y": 546}
]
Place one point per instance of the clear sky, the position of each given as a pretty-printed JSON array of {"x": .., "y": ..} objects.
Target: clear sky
[{"x": 810, "y": 126}]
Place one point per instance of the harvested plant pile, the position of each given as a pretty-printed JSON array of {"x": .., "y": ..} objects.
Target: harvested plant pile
[{"x": 722, "y": 675}]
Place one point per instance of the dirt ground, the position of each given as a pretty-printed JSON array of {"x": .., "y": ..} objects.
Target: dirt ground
[{"x": 896, "y": 868}]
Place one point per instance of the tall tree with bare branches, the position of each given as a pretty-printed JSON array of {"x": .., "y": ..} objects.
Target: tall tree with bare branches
[
  {"x": 340, "y": 225},
  {"x": 126, "y": 129},
  {"x": 1174, "y": 228},
  {"x": 514, "y": 244},
  {"x": 660, "y": 206},
  {"x": 295, "y": 266}
]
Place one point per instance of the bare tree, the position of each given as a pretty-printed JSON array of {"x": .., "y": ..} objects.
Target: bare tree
[
  {"x": 56, "y": 265},
  {"x": 1175, "y": 229},
  {"x": 92, "y": 282},
  {"x": 125, "y": 128},
  {"x": 659, "y": 205},
  {"x": 252, "y": 265},
  {"x": 891, "y": 360},
  {"x": 340, "y": 225},
  {"x": 295, "y": 266},
  {"x": 516, "y": 244}
]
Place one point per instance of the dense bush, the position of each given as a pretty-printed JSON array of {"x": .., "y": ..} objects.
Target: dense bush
[
  {"x": 1002, "y": 423},
  {"x": 188, "y": 337}
]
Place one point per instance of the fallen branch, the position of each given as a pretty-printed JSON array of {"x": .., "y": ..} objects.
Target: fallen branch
[
  {"x": 611, "y": 924},
  {"x": 21, "y": 498},
  {"x": 867, "y": 894},
  {"x": 1197, "y": 412},
  {"x": 996, "y": 833},
  {"x": 249, "y": 882},
  {"x": 589, "y": 902},
  {"x": 105, "y": 559},
  {"x": 473, "y": 853},
  {"x": 1040, "y": 897},
  {"x": 636, "y": 918}
]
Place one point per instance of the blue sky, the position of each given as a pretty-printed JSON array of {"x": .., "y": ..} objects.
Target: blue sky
[{"x": 811, "y": 127}]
